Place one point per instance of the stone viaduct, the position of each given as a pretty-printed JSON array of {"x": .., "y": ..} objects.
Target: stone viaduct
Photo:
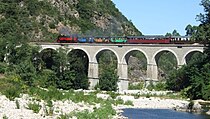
[{"x": 122, "y": 51}]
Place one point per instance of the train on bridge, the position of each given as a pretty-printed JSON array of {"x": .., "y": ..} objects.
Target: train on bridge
[{"x": 150, "y": 39}]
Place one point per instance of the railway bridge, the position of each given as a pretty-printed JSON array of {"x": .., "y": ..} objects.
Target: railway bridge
[{"x": 122, "y": 51}]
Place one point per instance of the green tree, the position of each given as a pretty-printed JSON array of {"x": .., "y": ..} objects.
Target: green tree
[
  {"x": 194, "y": 79},
  {"x": 108, "y": 79},
  {"x": 71, "y": 69},
  {"x": 78, "y": 61},
  {"x": 189, "y": 30},
  {"x": 168, "y": 34},
  {"x": 175, "y": 33}
]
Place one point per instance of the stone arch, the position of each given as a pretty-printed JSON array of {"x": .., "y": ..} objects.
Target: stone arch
[
  {"x": 133, "y": 70},
  {"x": 158, "y": 73},
  {"x": 104, "y": 49},
  {"x": 82, "y": 49},
  {"x": 162, "y": 50},
  {"x": 79, "y": 53},
  {"x": 47, "y": 58},
  {"x": 44, "y": 48},
  {"x": 123, "y": 60},
  {"x": 187, "y": 53}
]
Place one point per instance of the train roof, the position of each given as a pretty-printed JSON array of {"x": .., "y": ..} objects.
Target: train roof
[
  {"x": 147, "y": 36},
  {"x": 180, "y": 36}
]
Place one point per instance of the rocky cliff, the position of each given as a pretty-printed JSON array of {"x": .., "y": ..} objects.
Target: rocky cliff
[{"x": 45, "y": 19}]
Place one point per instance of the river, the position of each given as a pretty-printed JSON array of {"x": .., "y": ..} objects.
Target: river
[{"x": 160, "y": 114}]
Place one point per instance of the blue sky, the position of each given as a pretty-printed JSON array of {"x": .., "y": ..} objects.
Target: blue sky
[{"x": 157, "y": 17}]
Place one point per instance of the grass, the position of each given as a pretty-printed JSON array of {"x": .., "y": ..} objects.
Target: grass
[
  {"x": 11, "y": 86},
  {"x": 138, "y": 86},
  {"x": 169, "y": 95},
  {"x": 104, "y": 112},
  {"x": 34, "y": 106},
  {"x": 128, "y": 102},
  {"x": 17, "y": 104}
]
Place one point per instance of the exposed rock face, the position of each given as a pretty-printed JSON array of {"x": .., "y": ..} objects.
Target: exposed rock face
[
  {"x": 43, "y": 20},
  {"x": 66, "y": 7},
  {"x": 136, "y": 71}
]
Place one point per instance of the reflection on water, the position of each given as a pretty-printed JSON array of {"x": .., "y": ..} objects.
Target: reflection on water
[{"x": 160, "y": 114}]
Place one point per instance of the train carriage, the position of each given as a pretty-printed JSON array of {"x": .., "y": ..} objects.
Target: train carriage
[
  {"x": 148, "y": 40},
  {"x": 118, "y": 39}
]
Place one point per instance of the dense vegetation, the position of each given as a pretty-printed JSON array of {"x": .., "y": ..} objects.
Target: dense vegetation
[
  {"x": 108, "y": 77},
  {"x": 193, "y": 79},
  {"x": 43, "y": 20}
]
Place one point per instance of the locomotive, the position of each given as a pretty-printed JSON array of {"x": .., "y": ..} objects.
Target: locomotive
[{"x": 148, "y": 39}]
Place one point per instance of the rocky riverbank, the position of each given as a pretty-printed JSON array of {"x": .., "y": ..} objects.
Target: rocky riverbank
[{"x": 19, "y": 107}]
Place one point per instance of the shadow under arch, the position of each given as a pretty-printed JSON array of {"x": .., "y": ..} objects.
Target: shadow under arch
[
  {"x": 46, "y": 56},
  {"x": 137, "y": 65},
  {"x": 193, "y": 56},
  {"x": 166, "y": 62},
  {"x": 106, "y": 57},
  {"x": 79, "y": 60}
]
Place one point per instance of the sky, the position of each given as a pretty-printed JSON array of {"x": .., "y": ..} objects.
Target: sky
[{"x": 157, "y": 17}]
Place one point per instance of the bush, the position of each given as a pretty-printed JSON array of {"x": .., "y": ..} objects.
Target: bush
[
  {"x": 128, "y": 102},
  {"x": 3, "y": 67},
  {"x": 138, "y": 86},
  {"x": 108, "y": 79},
  {"x": 113, "y": 95},
  {"x": 157, "y": 86},
  {"x": 34, "y": 106},
  {"x": 104, "y": 112},
  {"x": 11, "y": 86}
]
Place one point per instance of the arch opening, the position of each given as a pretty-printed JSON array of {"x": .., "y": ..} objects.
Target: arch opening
[
  {"x": 107, "y": 65},
  {"x": 193, "y": 57},
  {"x": 166, "y": 62},
  {"x": 137, "y": 66},
  {"x": 78, "y": 60},
  {"x": 47, "y": 58},
  {"x": 106, "y": 58}
]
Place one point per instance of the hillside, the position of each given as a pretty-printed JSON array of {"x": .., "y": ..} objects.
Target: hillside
[{"x": 44, "y": 20}]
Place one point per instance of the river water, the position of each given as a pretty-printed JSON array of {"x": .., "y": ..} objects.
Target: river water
[{"x": 160, "y": 114}]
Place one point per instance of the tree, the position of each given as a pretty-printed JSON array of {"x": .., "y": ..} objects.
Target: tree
[
  {"x": 189, "y": 30},
  {"x": 205, "y": 18},
  {"x": 203, "y": 30},
  {"x": 168, "y": 34},
  {"x": 108, "y": 79},
  {"x": 175, "y": 33},
  {"x": 194, "y": 79}
]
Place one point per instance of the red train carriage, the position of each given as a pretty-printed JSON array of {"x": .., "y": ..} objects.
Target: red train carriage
[
  {"x": 67, "y": 39},
  {"x": 148, "y": 40}
]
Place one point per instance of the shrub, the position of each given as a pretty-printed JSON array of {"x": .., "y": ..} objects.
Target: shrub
[
  {"x": 2, "y": 67},
  {"x": 34, "y": 106},
  {"x": 5, "y": 117},
  {"x": 108, "y": 79},
  {"x": 104, "y": 112},
  {"x": 11, "y": 86},
  {"x": 119, "y": 101},
  {"x": 128, "y": 102},
  {"x": 113, "y": 95},
  {"x": 138, "y": 86}
]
